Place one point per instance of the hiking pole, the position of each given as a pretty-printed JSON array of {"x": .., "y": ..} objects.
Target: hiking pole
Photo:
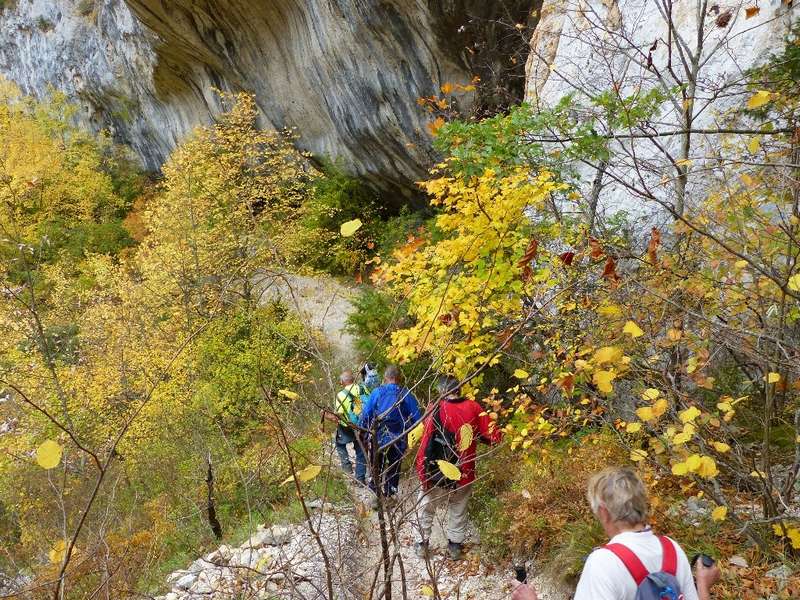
[{"x": 521, "y": 573}]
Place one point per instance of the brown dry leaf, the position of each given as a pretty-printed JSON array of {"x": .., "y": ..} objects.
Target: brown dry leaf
[
  {"x": 652, "y": 246},
  {"x": 751, "y": 11},
  {"x": 596, "y": 248},
  {"x": 530, "y": 253}
]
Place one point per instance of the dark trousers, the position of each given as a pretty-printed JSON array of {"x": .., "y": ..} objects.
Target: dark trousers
[
  {"x": 386, "y": 464},
  {"x": 344, "y": 437}
]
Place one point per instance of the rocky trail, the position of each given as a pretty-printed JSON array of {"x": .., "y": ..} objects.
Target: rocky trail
[{"x": 286, "y": 561}]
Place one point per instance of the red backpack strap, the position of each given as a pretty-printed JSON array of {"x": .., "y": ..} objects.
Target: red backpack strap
[
  {"x": 631, "y": 562},
  {"x": 670, "y": 560}
]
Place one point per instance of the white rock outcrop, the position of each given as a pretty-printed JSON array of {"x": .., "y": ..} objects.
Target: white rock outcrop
[{"x": 587, "y": 47}]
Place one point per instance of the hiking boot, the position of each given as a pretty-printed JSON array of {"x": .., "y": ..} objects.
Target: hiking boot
[
  {"x": 453, "y": 550},
  {"x": 421, "y": 549}
]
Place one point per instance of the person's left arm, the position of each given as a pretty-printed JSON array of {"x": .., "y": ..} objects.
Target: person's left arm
[
  {"x": 367, "y": 410},
  {"x": 411, "y": 408},
  {"x": 487, "y": 428}
]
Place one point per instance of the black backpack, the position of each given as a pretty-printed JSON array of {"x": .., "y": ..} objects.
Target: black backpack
[{"x": 441, "y": 446}]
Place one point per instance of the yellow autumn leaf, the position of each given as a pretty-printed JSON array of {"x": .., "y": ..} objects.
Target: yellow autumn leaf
[
  {"x": 740, "y": 264},
  {"x": 754, "y": 146},
  {"x": 777, "y": 529},
  {"x": 603, "y": 379},
  {"x": 57, "y": 552},
  {"x": 708, "y": 468},
  {"x": 794, "y": 283},
  {"x": 465, "y": 435},
  {"x": 684, "y": 162},
  {"x": 794, "y": 537},
  {"x": 660, "y": 407},
  {"x": 693, "y": 462},
  {"x": 680, "y": 469},
  {"x": 521, "y": 374},
  {"x": 725, "y": 406},
  {"x": 650, "y": 394},
  {"x": 303, "y": 475},
  {"x": 759, "y": 99},
  {"x": 633, "y": 427},
  {"x": 681, "y": 438},
  {"x": 773, "y": 377},
  {"x": 48, "y": 454},
  {"x": 447, "y": 88},
  {"x": 415, "y": 435},
  {"x": 721, "y": 447},
  {"x": 719, "y": 513},
  {"x": 607, "y": 354},
  {"x": 426, "y": 591},
  {"x": 350, "y": 227},
  {"x": 289, "y": 394},
  {"x": 632, "y": 329},
  {"x": 449, "y": 470},
  {"x": 645, "y": 413},
  {"x": 689, "y": 415},
  {"x": 638, "y": 455},
  {"x": 610, "y": 310},
  {"x": 674, "y": 334}
]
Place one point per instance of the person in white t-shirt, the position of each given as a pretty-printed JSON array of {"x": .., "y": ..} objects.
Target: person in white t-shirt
[{"x": 618, "y": 499}]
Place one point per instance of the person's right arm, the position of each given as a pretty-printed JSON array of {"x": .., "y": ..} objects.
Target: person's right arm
[
  {"x": 706, "y": 577},
  {"x": 523, "y": 591}
]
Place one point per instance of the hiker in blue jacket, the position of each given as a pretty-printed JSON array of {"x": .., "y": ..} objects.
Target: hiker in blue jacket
[{"x": 389, "y": 413}]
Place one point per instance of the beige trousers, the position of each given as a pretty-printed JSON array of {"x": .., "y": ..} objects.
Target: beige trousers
[{"x": 456, "y": 500}]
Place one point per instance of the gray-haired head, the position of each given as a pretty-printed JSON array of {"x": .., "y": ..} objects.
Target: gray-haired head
[
  {"x": 346, "y": 378},
  {"x": 447, "y": 385},
  {"x": 621, "y": 492},
  {"x": 391, "y": 374}
]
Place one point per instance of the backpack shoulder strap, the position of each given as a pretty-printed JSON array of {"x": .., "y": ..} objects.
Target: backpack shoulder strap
[
  {"x": 635, "y": 567},
  {"x": 670, "y": 561}
]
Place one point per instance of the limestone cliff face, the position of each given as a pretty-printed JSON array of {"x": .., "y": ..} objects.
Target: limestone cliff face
[{"x": 345, "y": 73}]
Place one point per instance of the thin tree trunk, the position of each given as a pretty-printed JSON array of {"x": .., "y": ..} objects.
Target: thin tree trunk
[{"x": 211, "y": 506}]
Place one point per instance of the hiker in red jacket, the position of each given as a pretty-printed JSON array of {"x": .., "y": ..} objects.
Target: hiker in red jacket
[{"x": 442, "y": 441}]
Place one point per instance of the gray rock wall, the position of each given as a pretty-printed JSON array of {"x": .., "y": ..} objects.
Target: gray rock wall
[{"x": 345, "y": 73}]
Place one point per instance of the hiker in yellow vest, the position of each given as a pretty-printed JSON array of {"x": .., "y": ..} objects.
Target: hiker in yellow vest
[{"x": 347, "y": 408}]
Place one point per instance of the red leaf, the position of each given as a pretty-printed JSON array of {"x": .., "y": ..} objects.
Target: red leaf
[
  {"x": 527, "y": 273},
  {"x": 567, "y": 383},
  {"x": 610, "y": 270},
  {"x": 652, "y": 246},
  {"x": 751, "y": 11},
  {"x": 446, "y": 318},
  {"x": 596, "y": 248},
  {"x": 567, "y": 257},
  {"x": 530, "y": 253},
  {"x": 505, "y": 337}
]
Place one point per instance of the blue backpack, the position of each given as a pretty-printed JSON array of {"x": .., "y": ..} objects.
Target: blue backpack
[{"x": 661, "y": 585}]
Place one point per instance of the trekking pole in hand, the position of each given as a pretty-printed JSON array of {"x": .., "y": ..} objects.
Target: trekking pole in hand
[
  {"x": 523, "y": 591},
  {"x": 706, "y": 574}
]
